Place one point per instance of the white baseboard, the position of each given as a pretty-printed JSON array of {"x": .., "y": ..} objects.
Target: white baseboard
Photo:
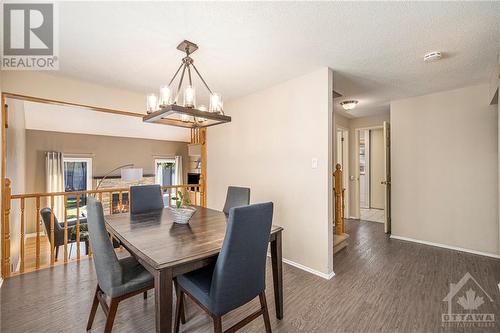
[
  {"x": 449, "y": 247},
  {"x": 1, "y": 282},
  {"x": 307, "y": 269}
]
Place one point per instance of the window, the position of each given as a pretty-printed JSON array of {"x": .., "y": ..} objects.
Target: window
[
  {"x": 77, "y": 177},
  {"x": 165, "y": 171}
]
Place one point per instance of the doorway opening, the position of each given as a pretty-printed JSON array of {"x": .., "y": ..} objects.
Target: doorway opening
[
  {"x": 373, "y": 173},
  {"x": 371, "y": 167}
]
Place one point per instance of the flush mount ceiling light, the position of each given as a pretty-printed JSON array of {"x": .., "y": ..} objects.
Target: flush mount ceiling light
[
  {"x": 433, "y": 56},
  {"x": 167, "y": 109},
  {"x": 349, "y": 105}
]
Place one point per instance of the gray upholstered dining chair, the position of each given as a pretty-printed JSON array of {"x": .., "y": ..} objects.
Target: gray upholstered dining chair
[
  {"x": 59, "y": 230},
  {"x": 236, "y": 197},
  {"x": 116, "y": 278},
  {"x": 239, "y": 274},
  {"x": 144, "y": 198}
]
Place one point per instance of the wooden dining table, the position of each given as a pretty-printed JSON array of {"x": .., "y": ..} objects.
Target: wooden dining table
[{"x": 167, "y": 249}]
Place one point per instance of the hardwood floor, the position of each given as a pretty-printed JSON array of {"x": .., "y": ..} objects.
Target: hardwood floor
[
  {"x": 381, "y": 285},
  {"x": 30, "y": 252}
]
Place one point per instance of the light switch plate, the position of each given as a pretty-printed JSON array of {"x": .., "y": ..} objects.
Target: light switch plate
[{"x": 314, "y": 163}]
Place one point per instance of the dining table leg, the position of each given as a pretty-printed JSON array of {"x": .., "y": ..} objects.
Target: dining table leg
[
  {"x": 163, "y": 300},
  {"x": 277, "y": 264}
]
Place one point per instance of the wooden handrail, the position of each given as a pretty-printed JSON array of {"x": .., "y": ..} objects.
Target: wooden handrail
[{"x": 104, "y": 190}]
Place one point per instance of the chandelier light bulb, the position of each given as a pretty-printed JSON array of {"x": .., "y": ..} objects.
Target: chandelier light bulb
[
  {"x": 189, "y": 97},
  {"x": 215, "y": 103},
  {"x": 151, "y": 103},
  {"x": 165, "y": 95}
]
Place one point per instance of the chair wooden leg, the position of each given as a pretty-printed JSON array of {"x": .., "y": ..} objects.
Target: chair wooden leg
[
  {"x": 217, "y": 324},
  {"x": 145, "y": 295},
  {"x": 180, "y": 294},
  {"x": 111, "y": 315},
  {"x": 265, "y": 312},
  {"x": 178, "y": 309},
  {"x": 93, "y": 310}
]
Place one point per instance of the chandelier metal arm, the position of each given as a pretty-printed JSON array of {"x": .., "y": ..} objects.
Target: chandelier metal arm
[
  {"x": 175, "y": 75},
  {"x": 202, "y": 80},
  {"x": 180, "y": 83}
]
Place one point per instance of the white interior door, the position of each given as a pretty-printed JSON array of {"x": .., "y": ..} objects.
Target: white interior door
[{"x": 387, "y": 181}]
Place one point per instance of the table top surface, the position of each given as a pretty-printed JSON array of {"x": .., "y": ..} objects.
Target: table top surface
[{"x": 157, "y": 240}]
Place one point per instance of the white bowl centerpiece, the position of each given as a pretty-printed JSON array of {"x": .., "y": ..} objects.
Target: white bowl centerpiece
[{"x": 182, "y": 212}]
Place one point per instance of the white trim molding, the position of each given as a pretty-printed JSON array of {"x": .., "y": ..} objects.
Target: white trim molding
[
  {"x": 449, "y": 247},
  {"x": 1, "y": 282},
  {"x": 309, "y": 270}
]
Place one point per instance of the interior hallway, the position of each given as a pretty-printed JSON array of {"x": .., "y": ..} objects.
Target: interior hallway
[{"x": 397, "y": 287}]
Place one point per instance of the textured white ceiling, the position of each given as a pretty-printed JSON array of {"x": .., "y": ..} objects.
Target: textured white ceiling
[{"x": 376, "y": 49}]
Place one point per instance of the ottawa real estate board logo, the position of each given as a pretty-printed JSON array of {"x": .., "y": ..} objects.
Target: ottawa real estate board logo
[
  {"x": 468, "y": 305},
  {"x": 30, "y": 36}
]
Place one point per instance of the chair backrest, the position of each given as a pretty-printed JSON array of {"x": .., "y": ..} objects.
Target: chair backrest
[
  {"x": 144, "y": 198},
  {"x": 58, "y": 230},
  {"x": 107, "y": 266},
  {"x": 239, "y": 274},
  {"x": 236, "y": 197}
]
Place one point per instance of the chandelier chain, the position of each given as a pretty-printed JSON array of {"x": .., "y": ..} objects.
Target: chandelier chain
[{"x": 189, "y": 75}]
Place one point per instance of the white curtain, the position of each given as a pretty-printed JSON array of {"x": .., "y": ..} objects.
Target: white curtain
[
  {"x": 179, "y": 177},
  {"x": 159, "y": 174},
  {"x": 54, "y": 180}
]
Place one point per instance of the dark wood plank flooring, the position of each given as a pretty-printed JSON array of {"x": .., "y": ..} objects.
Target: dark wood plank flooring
[{"x": 381, "y": 285}]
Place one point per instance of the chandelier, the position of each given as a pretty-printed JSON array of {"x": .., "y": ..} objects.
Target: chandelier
[{"x": 167, "y": 109}]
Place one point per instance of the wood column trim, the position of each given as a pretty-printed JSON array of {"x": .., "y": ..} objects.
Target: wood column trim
[
  {"x": 339, "y": 204},
  {"x": 6, "y": 228},
  {"x": 5, "y": 253},
  {"x": 203, "y": 176}
]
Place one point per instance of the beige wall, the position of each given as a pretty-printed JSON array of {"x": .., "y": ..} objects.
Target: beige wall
[
  {"x": 377, "y": 174},
  {"x": 15, "y": 171},
  {"x": 341, "y": 121},
  {"x": 107, "y": 153},
  {"x": 269, "y": 146},
  {"x": 445, "y": 169}
]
